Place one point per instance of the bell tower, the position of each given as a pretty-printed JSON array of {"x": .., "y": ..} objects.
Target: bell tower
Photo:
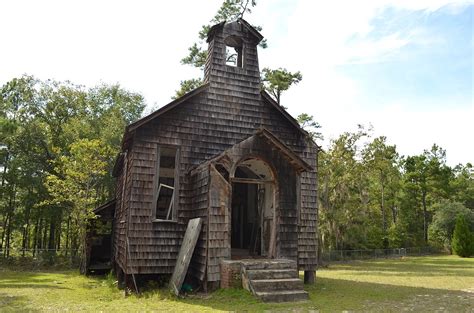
[{"x": 232, "y": 62}]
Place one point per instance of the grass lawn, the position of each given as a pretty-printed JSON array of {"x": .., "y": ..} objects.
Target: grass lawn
[{"x": 419, "y": 284}]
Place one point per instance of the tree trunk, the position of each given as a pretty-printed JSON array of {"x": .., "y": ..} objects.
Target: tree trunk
[
  {"x": 7, "y": 242},
  {"x": 45, "y": 236},
  {"x": 2, "y": 239},
  {"x": 35, "y": 238},
  {"x": 52, "y": 233},
  {"x": 384, "y": 219},
  {"x": 425, "y": 218},
  {"x": 67, "y": 234},
  {"x": 26, "y": 229},
  {"x": 11, "y": 209}
]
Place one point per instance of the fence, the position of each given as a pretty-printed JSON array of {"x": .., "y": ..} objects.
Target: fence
[
  {"x": 348, "y": 255},
  {"x": 40, "y": 256}
]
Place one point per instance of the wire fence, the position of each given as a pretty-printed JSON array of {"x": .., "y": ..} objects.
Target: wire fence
[
  {"x": 72, "y": 255},
  {"x": 39, "y": 256},
  {"x": 349, "y": 255}
]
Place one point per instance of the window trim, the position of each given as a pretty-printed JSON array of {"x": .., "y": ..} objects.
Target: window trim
[{"x": 157, "y": 185}]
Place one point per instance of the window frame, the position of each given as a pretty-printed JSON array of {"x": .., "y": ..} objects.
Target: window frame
[
  {"x": 156, "y": 184},
  {"x": 242, "y": 54}
]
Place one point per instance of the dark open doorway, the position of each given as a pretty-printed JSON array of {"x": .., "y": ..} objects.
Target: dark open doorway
[
  {"x": 245, "y": 223},
  {"x": 252, "y": 209}
]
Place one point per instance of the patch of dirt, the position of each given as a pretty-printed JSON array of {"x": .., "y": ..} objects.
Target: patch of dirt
[{"x": 449, "y": 302}]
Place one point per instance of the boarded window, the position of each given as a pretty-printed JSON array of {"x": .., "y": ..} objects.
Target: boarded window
[{"x": 165, "y": 192}]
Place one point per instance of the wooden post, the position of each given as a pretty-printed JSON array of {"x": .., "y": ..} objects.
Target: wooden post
[
  {"x": 309, "y": 277},
  {"x": 120, "y": 278}
]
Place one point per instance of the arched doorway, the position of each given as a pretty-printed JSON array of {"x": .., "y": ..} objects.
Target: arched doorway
[{"x": 253, "y": 209}]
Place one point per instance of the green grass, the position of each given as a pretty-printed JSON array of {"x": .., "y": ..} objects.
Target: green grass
[{"x": 422, "y": 284}]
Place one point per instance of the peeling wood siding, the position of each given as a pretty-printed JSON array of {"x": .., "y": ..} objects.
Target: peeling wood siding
[
  {"x": 198, "y": 207},
  {"x": 219, "y": 223},
  {"x": 121, "y": 211}
]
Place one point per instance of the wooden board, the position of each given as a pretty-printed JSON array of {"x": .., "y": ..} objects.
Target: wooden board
[{"x": 185, "y": 253}]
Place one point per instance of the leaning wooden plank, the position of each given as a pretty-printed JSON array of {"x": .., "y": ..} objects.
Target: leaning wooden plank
[{"x": 187, "y": 248}]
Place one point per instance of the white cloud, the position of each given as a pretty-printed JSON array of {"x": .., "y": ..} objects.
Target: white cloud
[{"x": 322, "y": 35}]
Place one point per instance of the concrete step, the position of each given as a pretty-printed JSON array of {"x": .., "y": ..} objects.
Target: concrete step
[
  {"x": 261, "y": 285},
  {"x": 272, "y": 274},
  {"x": 269, "y": 264},
  {"x": 283, "y": 296}
]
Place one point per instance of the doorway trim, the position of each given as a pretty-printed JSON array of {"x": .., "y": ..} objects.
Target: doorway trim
[{"x": 271, "y": 252}]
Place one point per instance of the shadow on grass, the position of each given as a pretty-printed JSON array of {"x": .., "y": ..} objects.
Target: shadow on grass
[
  {"x": 32, "y": 286},
  {"x": 9, "y": 303}
]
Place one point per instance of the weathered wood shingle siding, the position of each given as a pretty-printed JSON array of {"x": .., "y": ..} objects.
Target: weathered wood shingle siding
[
  {"x": 121, "y": 212},
  {"x": 198, "y": 207},
  {"x": 228, "y": 111}
]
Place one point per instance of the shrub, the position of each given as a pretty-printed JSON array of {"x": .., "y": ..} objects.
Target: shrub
[{"x": 463, "y": 238}]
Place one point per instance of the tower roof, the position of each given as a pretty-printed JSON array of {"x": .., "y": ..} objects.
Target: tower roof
[{"x": 255, "y": 33}]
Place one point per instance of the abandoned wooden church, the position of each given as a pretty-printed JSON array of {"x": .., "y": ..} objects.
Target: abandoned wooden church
[{"x": 228, "y": 154}]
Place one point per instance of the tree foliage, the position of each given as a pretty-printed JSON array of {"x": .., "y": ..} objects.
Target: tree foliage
[
  {"x": 308, "y": 123},
  {"x": 463, "y": 238},
  {"x": 57, "y": 145},
  {"x": 230, "y": 10},
  {"x": 187, "y": 86},
  {"x": 444, "y": 220},
  {"x": 279, "y": 80},
  {"x": 371, "y": 197}
]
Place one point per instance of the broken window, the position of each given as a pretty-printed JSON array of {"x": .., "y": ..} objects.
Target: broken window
[
  {"x": 165, "y": 184},
  {"x": 234, "y": 55}
]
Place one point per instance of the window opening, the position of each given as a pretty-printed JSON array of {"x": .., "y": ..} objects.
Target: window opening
[
  {"x": 234, "y": 51},
  {"x": 166, "y": 183},
  {"x": 223, "y": 171}
]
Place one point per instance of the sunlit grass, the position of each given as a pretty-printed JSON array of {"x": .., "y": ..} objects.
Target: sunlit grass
[{"x": 423, "y": 284}]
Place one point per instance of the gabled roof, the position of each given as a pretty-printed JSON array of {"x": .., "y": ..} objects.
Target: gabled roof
[
  {"x": 241, "y": 21},
  {"x": 279, "y": 108},
  {"x": 251, "y": 29},
  {"x": 294, "y": 159},
  {"x": 132, "y": 127},
  {"x": 104, "y": 206},
  {"x": 166, "y": 108}
]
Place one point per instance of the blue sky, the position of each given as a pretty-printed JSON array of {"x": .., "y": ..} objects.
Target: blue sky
[
  {"x": 433, "y": 70},
  {"x": 403, "y": 66}
]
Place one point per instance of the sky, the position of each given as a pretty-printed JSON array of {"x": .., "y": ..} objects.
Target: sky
[{"x": 404, "y": 67}]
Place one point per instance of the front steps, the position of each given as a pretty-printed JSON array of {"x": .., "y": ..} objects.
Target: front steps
[{"x": 273, "y": 280}]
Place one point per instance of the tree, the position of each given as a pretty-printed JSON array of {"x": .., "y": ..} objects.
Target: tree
[
  {"x": 186, "y": 86},
  {"x": 279, "y": 80},
  {"x": 40, "y": 122},
  {"x": 444, "y": 220},
  {"x": 308, "y": 123},
  {"x": 463, "y": 184},
  {"x": 381, "y": 162},
  {"x": 344, "y": 216},
  {"x": 463, "y": 238},
  {"x": 426, "y": 181},
  {"x": 76, "y": 186}
]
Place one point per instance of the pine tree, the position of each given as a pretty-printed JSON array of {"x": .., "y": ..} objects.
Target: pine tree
[{"x": 463, "y": 239}]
